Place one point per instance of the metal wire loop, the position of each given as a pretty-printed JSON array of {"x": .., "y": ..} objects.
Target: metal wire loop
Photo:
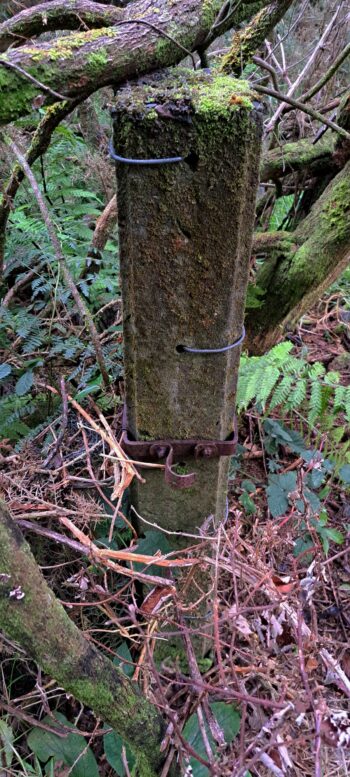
[
  {"x": 125, "y": 161},
  {"x": 188, "y": 349}
]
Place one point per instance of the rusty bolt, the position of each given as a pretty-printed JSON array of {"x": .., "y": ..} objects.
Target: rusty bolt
[
  {"x": 205, "y": 451},
  {"x": 158, "y": 451}
]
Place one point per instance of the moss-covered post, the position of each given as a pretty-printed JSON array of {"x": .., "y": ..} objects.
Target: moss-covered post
[{"x": 185, "y": 234}]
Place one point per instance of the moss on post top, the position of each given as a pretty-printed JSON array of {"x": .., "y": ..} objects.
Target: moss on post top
[{"x": 182, "y": 93}]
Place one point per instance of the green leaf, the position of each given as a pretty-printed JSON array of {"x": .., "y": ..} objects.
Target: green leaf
[
  {"x": 316, "y": 477},
  {"x": 301, "y": 544},
  {"x": 5, "y": 370},
  {"x": 335, "y": 535},
  {"x": 6, "y": 742},
  {"x": 276, "y": 500},
  {"x": 228, "y": 719},
  {"x": 280, "y": 486},
  {"x": 281, "y": 209},
  {"x": 152, "y": 542},
  {"x": 71, "y": 749},
  {"x": 247, "y": 503},
  {"x": 113, "y": 744},
  {"x": 91, "y": 388},
  {"x": 24, "y": 384},
  {"x": 123, "y": 652},
  {"x": 249, "y": 486},
  {"x": 344, "y": 474},
  {"x": 313, "y": 500}
]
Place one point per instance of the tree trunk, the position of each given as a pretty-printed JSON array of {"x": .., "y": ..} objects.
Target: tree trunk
[
  {"x": 300, "y": 265},
  {"x": 31, "y": 615}
]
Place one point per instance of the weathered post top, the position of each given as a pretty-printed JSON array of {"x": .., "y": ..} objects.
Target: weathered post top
[{"x": 189, "y": 144}]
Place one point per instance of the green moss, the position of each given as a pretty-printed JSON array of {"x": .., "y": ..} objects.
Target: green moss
[
  {"x": 19, "y": 95},
  {"x": 65, "y": 47},
  {"x": 172, "y": 654},
  {"x": 209, "y": 12},
  {"x": 223, "y": 95},
  {"x": 97, "y": 61},
  {"x": 212, "y": 95},
  {"x": 335, "y": 214}
]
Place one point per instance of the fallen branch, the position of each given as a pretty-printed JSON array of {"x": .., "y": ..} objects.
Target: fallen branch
[
  {"x": 56, "y": 15},
  {"x": 247, "y": 41},
  {"x": 128, "y": 51}
]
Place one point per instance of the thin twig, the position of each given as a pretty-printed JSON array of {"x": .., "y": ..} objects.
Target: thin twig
[
  {"x": 266, "y": 66},
  {"x": 18, "y": 713},
  {"x": 63, "y": 428},
  {"x": 82, "y": 307},
  {"x": 302, "y": 74},
  {"x": 326, "y": 76},
  {"x": 305, "y": 108},
  {"x": 160, "y": 32}
]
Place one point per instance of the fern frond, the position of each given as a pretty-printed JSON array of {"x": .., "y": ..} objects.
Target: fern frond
[
  {"x": 315, "y": 402},
  {"x": 297, "y": 395},
  {"x": 281, "y": 392}
]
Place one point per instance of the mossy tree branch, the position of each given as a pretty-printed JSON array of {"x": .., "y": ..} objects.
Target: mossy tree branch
[
  {"x": 246, "y": 42},
  {"x": 31, "y": 615},
  {"x": 83, "y": 62},
  {"x": 303, "y": 155},
  {"x": 11, "y": 7},
  {"x": 62, "y": 15},
  {"x": 300, "y": 265}
]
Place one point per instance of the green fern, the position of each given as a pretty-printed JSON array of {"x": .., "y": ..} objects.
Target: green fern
[{"x": 281, "y": 380}]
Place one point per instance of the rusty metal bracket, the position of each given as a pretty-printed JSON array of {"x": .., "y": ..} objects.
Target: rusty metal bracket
[{"x": 175, "y": 451}]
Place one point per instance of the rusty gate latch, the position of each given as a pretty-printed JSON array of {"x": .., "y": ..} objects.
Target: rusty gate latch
[{"x": 175, "y": 451}]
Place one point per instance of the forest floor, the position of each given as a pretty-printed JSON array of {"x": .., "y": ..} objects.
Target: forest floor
[{"x": 279, "y": 647}]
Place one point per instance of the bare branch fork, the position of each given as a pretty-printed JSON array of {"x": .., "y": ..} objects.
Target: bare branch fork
[
  {"x": 305, "y": 108},
  {"x": 270, "y": 126}
]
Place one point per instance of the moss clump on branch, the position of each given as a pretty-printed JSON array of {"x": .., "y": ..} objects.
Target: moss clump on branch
[{"x": 19, "y": 94}]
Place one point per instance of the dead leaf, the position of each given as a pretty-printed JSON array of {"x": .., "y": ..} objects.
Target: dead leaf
[{"x": 311, "y": 664}]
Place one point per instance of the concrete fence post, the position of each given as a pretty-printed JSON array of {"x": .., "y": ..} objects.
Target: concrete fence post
[{"x": 185, "y": 230}]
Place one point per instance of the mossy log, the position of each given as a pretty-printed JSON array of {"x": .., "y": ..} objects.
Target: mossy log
[
  {"x": 300, "y": 265},
  {"x": 31, "y": 615},
  {"x": 78, "y": 64},
  {"x": 63, "y": 15},
  {"x": 313, "y": 159}
]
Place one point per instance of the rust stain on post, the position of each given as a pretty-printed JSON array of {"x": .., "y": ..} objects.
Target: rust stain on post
[{"x": 185, "y": 234}]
